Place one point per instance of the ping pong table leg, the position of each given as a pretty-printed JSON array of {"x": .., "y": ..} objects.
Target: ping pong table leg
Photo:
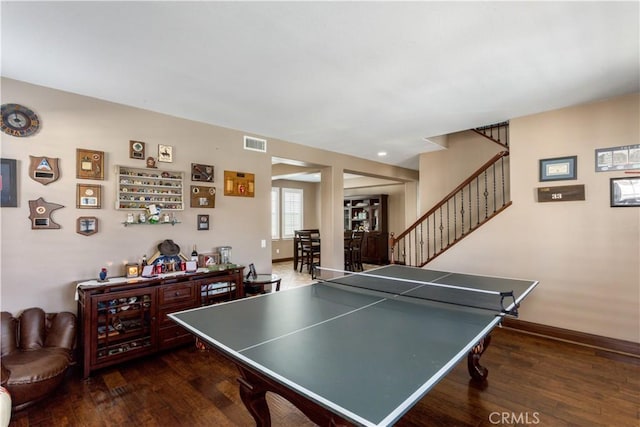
[
  {"x": 253, "y": 395},
  {"x": 253, "y": 389},
  {"x": 478, "y": 372}
]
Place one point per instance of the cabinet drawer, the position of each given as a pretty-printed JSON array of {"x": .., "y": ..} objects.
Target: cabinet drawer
[
  {"x": 163, "y": 319},
  {"x": 180, "y": 292},
  {"x": 173, "y": 336}
]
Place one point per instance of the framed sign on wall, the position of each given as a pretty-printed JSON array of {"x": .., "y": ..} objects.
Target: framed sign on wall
[
  {"x": 240, "y": 184},
  {"x": 89, "y": 196},
  {"x": 203, "y": 196},
  {"x": 8, "y": 183},
  {"x": 89, "y": 164},
  {"x": 624, "y": 157},
  {"x": 87, "y": 225},
  {"x": 625, "y": 192},
  {"x": 559, "y": 168},
  {"x": 203, "y": 222}
]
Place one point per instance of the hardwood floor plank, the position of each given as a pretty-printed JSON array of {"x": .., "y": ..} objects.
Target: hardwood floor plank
[{"x": 560, "y": 383}]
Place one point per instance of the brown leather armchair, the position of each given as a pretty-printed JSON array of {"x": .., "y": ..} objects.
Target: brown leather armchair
[{"x": 36, "y": 352}]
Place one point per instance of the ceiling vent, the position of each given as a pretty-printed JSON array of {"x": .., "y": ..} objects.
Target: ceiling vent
[{"x": 255, "y": 144}]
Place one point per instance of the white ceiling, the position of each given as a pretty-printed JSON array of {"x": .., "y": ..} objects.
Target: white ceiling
[{"x": 350, "y": 77}]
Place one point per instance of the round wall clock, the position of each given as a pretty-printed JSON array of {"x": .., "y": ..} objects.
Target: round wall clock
[{"x": 18, "y": 120}]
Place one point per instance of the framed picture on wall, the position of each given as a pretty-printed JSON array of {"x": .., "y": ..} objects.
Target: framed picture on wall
[
  {"x": 8, "y": 184},
  {"x": 203, "y": 222},
  {"x": 89, "y": 164},
  {"x": 88, "y": 196},
  {"x": 625, "y": 192},
  {"x": 559, "y": 168},
  {"x": 87, "y": 225},
  {"x": 136, "y": 150},
  {"x": 165, "y": 153}
]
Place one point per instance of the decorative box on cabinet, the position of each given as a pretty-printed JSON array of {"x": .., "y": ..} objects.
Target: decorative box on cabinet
[
  {"x": 124, "y": 318},
  {"x": 138, "y": 188}
]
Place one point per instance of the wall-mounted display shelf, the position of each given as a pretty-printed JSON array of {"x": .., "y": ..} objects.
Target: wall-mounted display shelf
[
  {"x": 172, "y": 222},
  {"x": 138, "y": 188}
]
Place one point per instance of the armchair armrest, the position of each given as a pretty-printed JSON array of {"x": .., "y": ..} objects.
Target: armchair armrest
[{"x": 4, "y": 375}]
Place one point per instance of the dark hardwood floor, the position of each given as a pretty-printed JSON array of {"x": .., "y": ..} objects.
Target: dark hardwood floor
[{"x": 532, "y": 381}]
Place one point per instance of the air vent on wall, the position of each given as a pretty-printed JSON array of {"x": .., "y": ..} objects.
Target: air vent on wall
[{"x": 255, "y": 144}]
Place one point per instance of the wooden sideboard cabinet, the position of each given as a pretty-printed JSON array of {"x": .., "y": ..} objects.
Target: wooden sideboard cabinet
[{"x": 123, "y": 319}]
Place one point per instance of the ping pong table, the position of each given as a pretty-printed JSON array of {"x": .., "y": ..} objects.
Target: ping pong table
[{"x": 358, "y": 348}]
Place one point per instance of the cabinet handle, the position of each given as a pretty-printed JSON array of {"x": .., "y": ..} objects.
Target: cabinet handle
[{"x": 177, "y": 294}]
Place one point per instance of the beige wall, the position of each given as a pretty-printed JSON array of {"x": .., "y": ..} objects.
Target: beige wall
[
  {"x": 585, "y": 254},
  {"x": 39, "y": 267},
  {"x": 442, "y": 171}
]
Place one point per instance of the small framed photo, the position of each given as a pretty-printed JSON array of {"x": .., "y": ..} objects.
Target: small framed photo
[
  {"x": 165, "y": 153},
  {"x": 625, "y": 192},
  {"x": 89, "y": 196},
  {"x": 203, "y": 222},
  {"x": 89, "y": 164},
  {"x": 205, "y": 260},
  {"x": 87, "y": 225},
  {"x": 559, "y": 168},
  {"x": 132, "y": 270}
]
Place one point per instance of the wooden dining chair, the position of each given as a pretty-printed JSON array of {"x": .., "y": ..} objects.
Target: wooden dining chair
[
  {"x": 348, "y": 258},
  {"x": 310, "y": 247},
  {"x": 356, "y": 250}
]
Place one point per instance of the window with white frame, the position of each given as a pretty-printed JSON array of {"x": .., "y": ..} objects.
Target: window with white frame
[
  {"x": 275, "y": 213},
  {"x": 292, "y": 201}
]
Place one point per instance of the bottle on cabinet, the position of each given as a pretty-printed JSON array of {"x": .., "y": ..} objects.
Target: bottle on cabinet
[{"x": 194, "y": 254}]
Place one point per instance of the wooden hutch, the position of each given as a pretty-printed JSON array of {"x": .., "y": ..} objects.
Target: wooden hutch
[
  {"x": 124, "y": 319},
  {"x": 369, "y": 213}
]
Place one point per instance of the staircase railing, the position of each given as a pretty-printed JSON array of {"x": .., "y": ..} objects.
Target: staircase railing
[
  {"x": 475, "y": 201},
  {"x": 498, "y": 133}
]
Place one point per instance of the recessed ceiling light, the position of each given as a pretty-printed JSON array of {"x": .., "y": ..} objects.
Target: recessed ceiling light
[{"x": 382, "y": 153}]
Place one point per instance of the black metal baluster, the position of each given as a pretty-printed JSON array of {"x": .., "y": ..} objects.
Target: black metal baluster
[
  {"x": 504, "y": 194},
  {"x": 421, "y": 245},
  {"x": 428, "y": 256},
  {"x": 455, "y": 219},
  {"x": 462, "y": 211},
  {"x": 494, "y": 188},
  {"x": 486, "y": 196},
  {"x": 441, "y": 229},
  {"x": 478, "y": 199},
  {"x": 448, "y": 226}
]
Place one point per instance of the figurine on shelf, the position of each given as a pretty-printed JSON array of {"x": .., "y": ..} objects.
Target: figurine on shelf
[{"x": 103, "y": 274}]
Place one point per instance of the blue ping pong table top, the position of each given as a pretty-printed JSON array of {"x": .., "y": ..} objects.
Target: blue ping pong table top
[{"x": 365, "y": 355}]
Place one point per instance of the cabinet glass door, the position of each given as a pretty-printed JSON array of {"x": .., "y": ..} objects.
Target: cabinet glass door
[{"x": 124, "y": 324}]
